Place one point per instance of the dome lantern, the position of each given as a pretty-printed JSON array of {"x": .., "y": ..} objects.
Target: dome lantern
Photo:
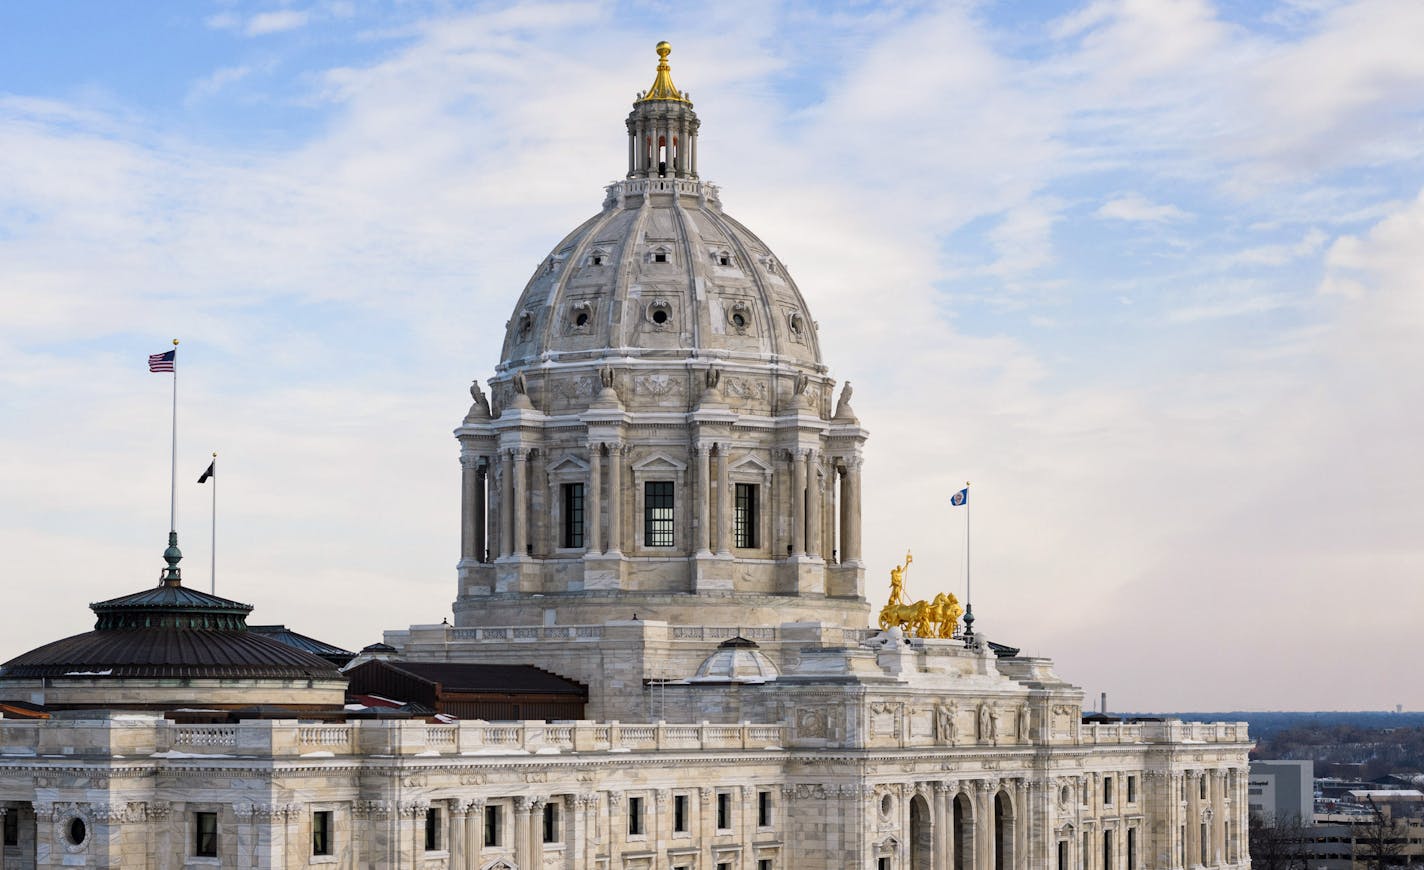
[{"x": 662, "y": 128}]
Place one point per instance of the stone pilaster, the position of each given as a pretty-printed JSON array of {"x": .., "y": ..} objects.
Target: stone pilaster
[
  {"x": 724, "y": 503},
  {"x": 813, "y": 503},
  {"x": 615, "y": 498},
  {"x": 593, "y": 500}
]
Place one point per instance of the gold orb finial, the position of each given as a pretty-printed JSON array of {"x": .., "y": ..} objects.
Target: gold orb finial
[{"x": 663, "y": 88}]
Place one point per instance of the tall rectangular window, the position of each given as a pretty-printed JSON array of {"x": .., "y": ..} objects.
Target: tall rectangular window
[
  {"x": 763, "y": 809},
  {"x": 432, "y": 830},
  {"x": 1107, "y": 791},
  {"x": 551, "y": 822},
  {"x": 12, "y": 827},
  {"x": 744, "y": 519},
  {"x": 1131, "y": 849},
  {"x": 679, "y": 813},
  {"x": 724, "y": 810},
  {"x": 657, "y": 513},
  {"x": 1107, "y": 849},
  {"x": 1062, "y": 855},
  {"x": 493, "y": 818},
  {"x": 321, "y": 833},
  {"x": 1132, "y": 789},
  {"x": 635, "y": 816},
  {"x": 763, "y": 864},
  {"x": 205, "y": 835},
  {"x": 572, "y": 537}
]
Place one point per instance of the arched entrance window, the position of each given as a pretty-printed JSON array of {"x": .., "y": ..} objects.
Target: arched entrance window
[
  {"x": 921, "y": 834},
  {"x": 662, "y": 155},
  {"x": 962, "y": 832},
  {"x": 1003, "y": 831}
]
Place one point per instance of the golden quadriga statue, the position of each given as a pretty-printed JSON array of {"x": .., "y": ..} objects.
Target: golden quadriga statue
[{"x": 937, "y": 618}]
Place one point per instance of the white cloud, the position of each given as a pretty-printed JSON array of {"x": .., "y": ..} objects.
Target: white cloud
[
  {"x": 276, "y": 22},
  {"x": 1136, "y": 208}
]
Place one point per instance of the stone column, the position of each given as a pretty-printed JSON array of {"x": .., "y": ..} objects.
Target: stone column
[
  {"x": 459, "y": 859},
  {"x": 576, "y": 832},
  {"x": 702, "y": 491},
  {"x": 469, "y": 486},
  {"x": 942, "y": 812},
  {"x": 725, "y": 503},
  {"x": 684, "y": 163},
  {"x": 1191, "y": 851},
  {"x": 850, "y": 511},
  {"x": 798, "y": 504},
  {"x": 536, "y": 832},
  {"x": 813, "y": 504},
  {"x": 640, "y": 147},
  {"x": 507, "y": 503},
  {"x": 617, "y": 829},
  {"x": 585, "y": 843},
  {"x": 615, "y": 497},
  {"x": 984, "y": 853},
  {"x": 474, "y": 814},
  {"x": 706, "y": 825},
  {"x": 521, "y": 501},
  {"x": 593, "y": 499},
  {"x": 658, "y": 838},
  {"x": 522, "y": 810}
]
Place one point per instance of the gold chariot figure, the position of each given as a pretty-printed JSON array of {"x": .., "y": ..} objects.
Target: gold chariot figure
[{"x": 937, "y": 618}]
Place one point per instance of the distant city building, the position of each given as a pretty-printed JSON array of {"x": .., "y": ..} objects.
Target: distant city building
[
  {"x": 1282, "y": 791},
  {"x": 661, "y": 554}
]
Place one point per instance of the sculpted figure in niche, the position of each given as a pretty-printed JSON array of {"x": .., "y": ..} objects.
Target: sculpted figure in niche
[
  {"x": 520, "y": 386},
  {"x": 714, "y": 377},
  {"x": 605, "y": 376},
  {"x": 1023, "y": 722},
  {"x": 985, "y": 724},
  {"x": 947, "y": 726},
  {"x": 802, "y": 382}
]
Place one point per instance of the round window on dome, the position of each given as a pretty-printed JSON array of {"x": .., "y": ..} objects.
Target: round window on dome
[
  {"x": 76, "y": 831},
  {"x": 739, "y": 320},
  {"x": 887, "y": 804},
  {"x": 660, "y": 312},
  {"x": 581, "y": 319}
]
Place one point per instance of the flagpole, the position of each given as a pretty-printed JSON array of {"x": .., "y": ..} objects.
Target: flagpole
[
  {"x": 213, "y": 550},
  {"x": 173, "y": 474},
  {"x": 968, "y": 587}
]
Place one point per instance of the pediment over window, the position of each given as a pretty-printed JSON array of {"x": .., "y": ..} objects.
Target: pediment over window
[{"x": 659, "y": 462}]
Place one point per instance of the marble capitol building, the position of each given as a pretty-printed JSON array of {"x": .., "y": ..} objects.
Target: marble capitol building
[{"x": 661, "y": 653}]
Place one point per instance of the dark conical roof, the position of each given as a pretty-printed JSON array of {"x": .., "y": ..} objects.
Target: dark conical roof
[{"x": 169, "y": 631}]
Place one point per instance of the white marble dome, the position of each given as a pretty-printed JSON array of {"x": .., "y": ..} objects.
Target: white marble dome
[
  {"x": 661, "y": 272},
  {"x": 736, "y": 661}
]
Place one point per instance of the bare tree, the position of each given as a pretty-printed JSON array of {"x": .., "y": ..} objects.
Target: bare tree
[
  {"x": 1381, "y": 839},
  {"x": 1277, "y": 844}
]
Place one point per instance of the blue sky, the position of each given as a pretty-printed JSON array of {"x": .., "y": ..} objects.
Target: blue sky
[{"x": 1148, "y": 273}]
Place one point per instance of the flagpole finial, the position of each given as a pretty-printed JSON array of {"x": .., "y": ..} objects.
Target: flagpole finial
[{"x": 172, "y": 575}]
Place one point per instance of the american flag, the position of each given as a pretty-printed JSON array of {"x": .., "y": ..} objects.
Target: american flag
[{"x": 163, "y": 362}]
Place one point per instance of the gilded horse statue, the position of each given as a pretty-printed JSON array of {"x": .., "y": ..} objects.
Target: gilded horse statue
[{"x": 937, "y": 618}]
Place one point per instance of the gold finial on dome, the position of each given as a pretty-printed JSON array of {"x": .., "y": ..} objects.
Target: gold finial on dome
[{"x": 663, "y": 88}]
